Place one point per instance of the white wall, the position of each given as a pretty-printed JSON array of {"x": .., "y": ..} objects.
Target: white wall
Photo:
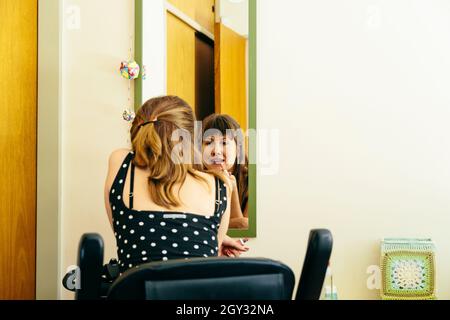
[
  {"x": 94, "y": 96},
  {"x": 358, "y": 90},
  {"x": 234, "y": 14},
  {"x": 154, "y": 48}
]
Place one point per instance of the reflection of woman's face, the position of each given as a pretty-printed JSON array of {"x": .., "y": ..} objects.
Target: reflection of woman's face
[{"x": 219, "y": 152}]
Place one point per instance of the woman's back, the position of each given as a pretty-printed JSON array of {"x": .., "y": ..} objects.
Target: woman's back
[
  {"x": 195, "y": 195},
  {"x": 147, "y": 232}
]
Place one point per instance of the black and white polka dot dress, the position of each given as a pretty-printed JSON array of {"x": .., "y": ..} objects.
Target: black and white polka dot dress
[{"x": 146, "y": 236}]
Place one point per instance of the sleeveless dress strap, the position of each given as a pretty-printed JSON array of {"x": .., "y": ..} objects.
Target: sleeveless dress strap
[
  {"x": 221, "y": 199},
  {"x": 131, "y": 195},
  {"x": 119, "y": 181}
]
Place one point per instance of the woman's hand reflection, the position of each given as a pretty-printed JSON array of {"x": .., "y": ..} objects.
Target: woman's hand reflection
[
  {"x": 232, "y": 248},
  {"x": 237, "y": 219},
  {"x": 232, "y": 181}
]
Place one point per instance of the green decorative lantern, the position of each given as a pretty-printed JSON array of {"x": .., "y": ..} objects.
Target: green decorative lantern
[{"x": 407, "y": 269}]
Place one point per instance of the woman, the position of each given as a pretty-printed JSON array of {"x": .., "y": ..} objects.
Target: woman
[
  {"x": 160, "y": 206},
  {"x": 223, "y": 151}
]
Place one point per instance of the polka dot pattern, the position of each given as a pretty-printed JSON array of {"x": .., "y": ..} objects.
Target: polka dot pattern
[{"x": 146, "y": 236}]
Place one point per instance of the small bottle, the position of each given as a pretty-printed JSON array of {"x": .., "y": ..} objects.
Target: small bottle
[{"x": 329, "y": 290}]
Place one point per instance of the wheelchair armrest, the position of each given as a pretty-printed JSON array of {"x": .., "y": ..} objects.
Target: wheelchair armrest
[{"x": 90, "y": 263}]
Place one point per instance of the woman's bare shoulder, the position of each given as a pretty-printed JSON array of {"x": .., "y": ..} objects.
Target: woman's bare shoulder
[
  {"x": 205, "y": 175},
  {"x": 115, "y": 161},
  {"x": 117, "y": 156},
  {"x": 211, "y": 178}
]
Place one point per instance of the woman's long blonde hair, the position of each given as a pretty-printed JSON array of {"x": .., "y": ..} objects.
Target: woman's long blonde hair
[{"x": 151, "y": 136}]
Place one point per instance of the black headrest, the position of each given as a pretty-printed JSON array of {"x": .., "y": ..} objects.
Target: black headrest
[
  {"x": 206, "y": 279},
  {"x": 315, "y": 265},
  {"x": 90, "y": 262}
]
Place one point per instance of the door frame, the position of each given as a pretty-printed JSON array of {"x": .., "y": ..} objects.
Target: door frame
[{"x": 48, "y": 285}]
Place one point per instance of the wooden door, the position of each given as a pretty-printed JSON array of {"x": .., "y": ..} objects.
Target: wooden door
[
  {"x": 231, "y": 74},
  {"x": 204, "y": 14},
  {"x": 201, "y": 11},
  {"x": 18, "y": 85},
  {"x": 180, "y": 59},
  {"x": 183, "y": 46}
]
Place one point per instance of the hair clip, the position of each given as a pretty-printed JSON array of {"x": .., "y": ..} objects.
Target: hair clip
[{"x": 148, "y": 122}]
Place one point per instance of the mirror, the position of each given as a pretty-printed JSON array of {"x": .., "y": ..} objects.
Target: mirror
[{"x": 206, "y": 56}]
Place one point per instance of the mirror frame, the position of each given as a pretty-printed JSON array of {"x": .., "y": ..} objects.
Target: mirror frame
[{"x": 252, "y": 174}]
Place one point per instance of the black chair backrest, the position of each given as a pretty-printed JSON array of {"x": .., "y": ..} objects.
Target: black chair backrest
[
  {"x": 315, "y": 265},
  {"x": 90, "y": 262},
  {"x": 206, "y": 279}
]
